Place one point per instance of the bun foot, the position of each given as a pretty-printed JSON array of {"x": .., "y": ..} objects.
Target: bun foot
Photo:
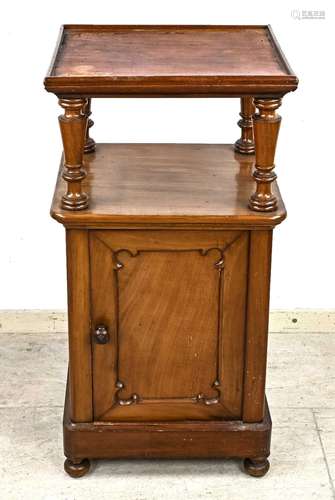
[
  {"x": 256, "y": 467},
  {"x": 76, "y": 469}
]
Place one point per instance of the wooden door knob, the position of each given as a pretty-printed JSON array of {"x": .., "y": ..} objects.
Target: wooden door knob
[{"x": 101, "y": 334}]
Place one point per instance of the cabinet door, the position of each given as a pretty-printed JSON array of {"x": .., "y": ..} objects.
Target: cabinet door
[{"x": 173, "y": 303}]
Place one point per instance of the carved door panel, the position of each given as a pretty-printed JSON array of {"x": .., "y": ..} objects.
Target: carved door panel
[{"x": 171, "y": 305}]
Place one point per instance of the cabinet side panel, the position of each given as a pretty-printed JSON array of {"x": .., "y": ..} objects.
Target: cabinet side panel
[
  {"x": 257, "y": 325},
  {"x": 80, "y": 362}
]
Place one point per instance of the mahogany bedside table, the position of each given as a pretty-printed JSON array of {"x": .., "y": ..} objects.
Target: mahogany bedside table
[{"x": 168, "y": 247}]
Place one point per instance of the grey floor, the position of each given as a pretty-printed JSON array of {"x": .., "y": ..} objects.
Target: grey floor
[{"x": 301, "y": 393}]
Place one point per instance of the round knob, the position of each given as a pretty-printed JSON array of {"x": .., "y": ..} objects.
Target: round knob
[{"x": 101, "y": 334}]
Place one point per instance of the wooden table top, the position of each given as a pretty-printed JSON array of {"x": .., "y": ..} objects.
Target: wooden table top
[
  {"x": 174, "y": 184},
  {"x": 92, "y": 60}
]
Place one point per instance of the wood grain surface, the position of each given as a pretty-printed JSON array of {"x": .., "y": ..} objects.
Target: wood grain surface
[
  {"x": 199, "y": 439},
  {"x": 186, "y": 60},
  {"x": 174, "y": 306},
  {"x": 134, "y": 184}
]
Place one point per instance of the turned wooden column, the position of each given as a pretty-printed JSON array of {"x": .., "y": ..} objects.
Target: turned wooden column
[
  {"x": 266, "y": 129},
  {"x": 89, "y": 142},
  {"x": 73, "y": 125},
  {"x": 246, "y": 144}
]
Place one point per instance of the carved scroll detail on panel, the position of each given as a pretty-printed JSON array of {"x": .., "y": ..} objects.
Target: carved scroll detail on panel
[
  {"x": 117, "y": 264},
  {"x": 134, "y": 398},
  {"x": 202, "y": 398},
  {"x": 219, "y": 264}
]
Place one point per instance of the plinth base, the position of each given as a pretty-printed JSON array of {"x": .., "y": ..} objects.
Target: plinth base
[{"x": 184, "y": 439}]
